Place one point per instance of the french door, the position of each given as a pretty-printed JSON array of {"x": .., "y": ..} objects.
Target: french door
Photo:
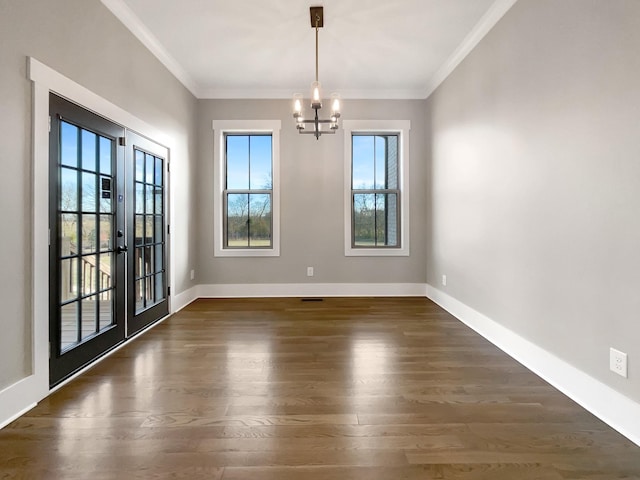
[
  {"x": 108, "y": 240},
  {"x": 147, "y": 273}
]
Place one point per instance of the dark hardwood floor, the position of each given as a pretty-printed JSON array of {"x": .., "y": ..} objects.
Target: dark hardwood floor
[{"x": 343, "y": 389}]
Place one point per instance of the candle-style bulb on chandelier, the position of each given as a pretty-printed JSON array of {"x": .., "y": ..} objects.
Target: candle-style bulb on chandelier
[{"x": 316, "y": 123}]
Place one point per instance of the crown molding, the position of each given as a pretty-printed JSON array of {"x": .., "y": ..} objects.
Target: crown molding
[
  {"x": 226, "y": 94},
  {"x": 484, "y": 26},
  {"x": 133, "y": 23}
]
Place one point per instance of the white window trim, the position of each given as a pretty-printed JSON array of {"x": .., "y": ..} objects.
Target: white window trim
[
  {"x": 220, "y": 127},
  {"x": 401, "y": 127}
]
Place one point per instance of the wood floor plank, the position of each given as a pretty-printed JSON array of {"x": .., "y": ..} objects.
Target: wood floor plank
[
  {"x": 422, "y": 472},
  {"x": 344, "y": 388}
]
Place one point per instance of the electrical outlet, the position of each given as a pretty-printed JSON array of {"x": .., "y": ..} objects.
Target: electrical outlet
[
  {"x": 444, "y": 280},
  {"x": 309, "y": 271},
  {"x": 618, "y": 362},
  {"x": 193, "y": 274}
]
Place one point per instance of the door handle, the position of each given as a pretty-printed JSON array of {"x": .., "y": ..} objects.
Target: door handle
[{"x": 121, "y": 248}]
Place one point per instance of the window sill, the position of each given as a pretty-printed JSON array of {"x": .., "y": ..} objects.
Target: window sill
[
  {"x": 376, "y": 252},
  {"x": 247, "y": 252}
]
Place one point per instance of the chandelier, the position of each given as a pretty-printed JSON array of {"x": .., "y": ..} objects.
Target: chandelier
[{"x": 316, "y": 123}]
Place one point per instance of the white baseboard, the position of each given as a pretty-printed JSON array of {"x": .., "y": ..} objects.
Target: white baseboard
[
  {"x": 182, "y": 299},
  {"x": 613, "y": 408},
  {"x": 312, "y": 290},
  {"x": 12, "y": 400}
]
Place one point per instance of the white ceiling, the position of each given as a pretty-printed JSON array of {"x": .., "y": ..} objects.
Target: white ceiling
[{"x": 266, "y": 49}]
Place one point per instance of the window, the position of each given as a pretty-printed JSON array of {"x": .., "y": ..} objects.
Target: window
[
  {"x": 376, "y": 188},
  {"x": 246, "y": 159},
  {"x": 248, "y": 192},
  {"x": 374, "y": 191}
]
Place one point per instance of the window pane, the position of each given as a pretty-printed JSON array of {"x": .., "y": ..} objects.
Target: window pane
[
  {"x": 68, "y": 144},
  {"x": 392, "y": 162},
  {"x": 88, "y": 274},
  {"x": 106, "y": 232},
  {"x": 140, "y": 287},
  {"x": 380, "y": 161},
  {"x": 149, "y": 199},
  {"x": 148, "y": 260},
  {"x": 237, "y": 166},
  {"x": 139, "y": 166},
  {"x": 68, "y": 279},
  {"x": 260, "y": 162},
  {"x": 381, "y": 219},
  {"x": 89, "y": 312},
  {"x": 139, "y": 198},
  {"x": 139, "y": 229},
  {"x": 158, "y": 170},
  {"x": 238, "y": 220},
  {"x": 69, "y": 234},
  {"x": 150, "y": 168},
  {"x": 149, "y": 295},
  {"x": 89, "y": 192},
  {"x": 159, "y": 287},
  {"x": 392, "y": 221},
  {"x": 89, "y": 233},
  {"x": 375, "y": 220},
  {"x": 105, "y": 156},
  {"x": 159, "y": 224},
  {"x": 106, "y": 313},
  {"x": 139, "y": 262},
  {"x": 363, "y": 174},
  {"x": 364, "y": 220},
  {"x": 68, "y": 189},
  {"x": 259, "y": 220},
  {"x": 89, "y": 150},
  {"x": 68, "y": 325},
  {"x": 105, "y": 278},
  {"x": 148, "y": 229},
  {"x": 159, "y": 257},
  {"x": 158, "y": 193}
]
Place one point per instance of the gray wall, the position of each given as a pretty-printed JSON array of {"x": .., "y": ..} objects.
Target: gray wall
[
  {"x": 311, "y": 172},
  {"x": 533, "y": 208},
  {"x": 82, "y": 40}
]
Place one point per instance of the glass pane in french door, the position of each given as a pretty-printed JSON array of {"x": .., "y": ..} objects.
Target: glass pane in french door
[
  {"x": 149, "y": 293},
  {"x": 86, "y": 218},
  {"x": 149, "y": 256}
]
